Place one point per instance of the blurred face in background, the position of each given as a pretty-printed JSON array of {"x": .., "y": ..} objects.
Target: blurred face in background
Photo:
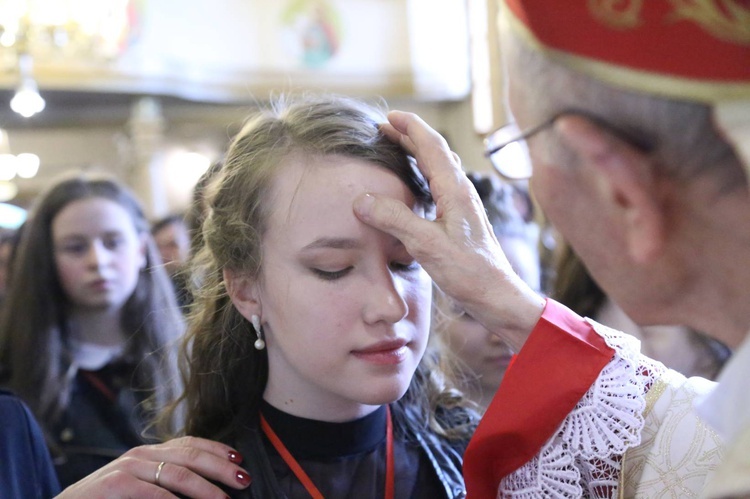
[
  {"x": 98, "y": 253},
  {"x": 173, "y": 242},
  {"x": 482, "y": 355}
]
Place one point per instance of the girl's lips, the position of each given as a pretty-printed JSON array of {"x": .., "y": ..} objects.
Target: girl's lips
[
  {"x": 100, "y": 284},
  {"x": 384, "y": 353}
]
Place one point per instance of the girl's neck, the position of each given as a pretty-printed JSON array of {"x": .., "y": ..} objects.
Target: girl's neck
[
  {"x": 320, "y": 411},
  {"x": 100, "y": 327},
  {"x": 314, "y": 439}
]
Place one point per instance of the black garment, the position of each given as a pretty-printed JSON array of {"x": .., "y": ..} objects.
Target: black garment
[
  {"x": 25, "y": 467},
  {"x": 103, "y": 420},
  {"x": 347, "y": 460},
  {"x": 182, "y": 290}
]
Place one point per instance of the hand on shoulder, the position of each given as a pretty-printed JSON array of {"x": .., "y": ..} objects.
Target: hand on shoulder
[{"x": 185, "y": 465}]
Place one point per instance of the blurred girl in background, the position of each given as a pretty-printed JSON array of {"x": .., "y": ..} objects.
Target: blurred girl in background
[
  {"x": 481, "y": 356},
  {"x": 88, "y": 318}
]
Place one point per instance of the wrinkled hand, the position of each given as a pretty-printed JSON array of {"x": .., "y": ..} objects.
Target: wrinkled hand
[
  {"x": 189, "y": 464},
  {"x": 458, "y": 249}
]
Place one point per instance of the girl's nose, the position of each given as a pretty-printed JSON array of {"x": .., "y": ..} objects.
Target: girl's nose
[
  {"x": 97, "y": 254},
  {"x": 385, "y": 301}
]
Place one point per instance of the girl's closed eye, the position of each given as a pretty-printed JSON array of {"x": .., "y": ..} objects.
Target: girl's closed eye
[
  {"x": 411, "y": 266},
  {"x": 74, "y": 248},
  {"x": 331, "y": 275}
]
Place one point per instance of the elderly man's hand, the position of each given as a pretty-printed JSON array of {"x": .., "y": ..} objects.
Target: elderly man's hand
[{"x": 458, "y": 249}]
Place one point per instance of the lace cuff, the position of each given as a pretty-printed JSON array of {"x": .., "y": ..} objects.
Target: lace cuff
[{"x": 585, "y": 454}]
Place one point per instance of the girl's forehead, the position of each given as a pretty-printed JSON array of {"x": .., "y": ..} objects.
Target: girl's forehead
[
  {"x": 314, "y": 199},
  {"x": 92, "y": 211},
  {"x": 331, "y": 183}
]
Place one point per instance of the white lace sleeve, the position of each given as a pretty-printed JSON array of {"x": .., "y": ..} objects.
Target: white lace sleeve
[{"x": 583, "y": 458}]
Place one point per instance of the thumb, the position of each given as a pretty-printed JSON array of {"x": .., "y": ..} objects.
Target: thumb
[{"x": 394, "y": 218}]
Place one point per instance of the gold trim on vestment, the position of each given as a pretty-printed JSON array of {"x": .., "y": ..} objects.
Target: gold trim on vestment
[
  {"x": 731, "y": 23},
  {"x": 656, "y": 391},
  {"x": 616, "y": 13}
]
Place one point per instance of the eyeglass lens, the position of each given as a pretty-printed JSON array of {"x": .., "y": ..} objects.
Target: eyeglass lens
[{"x": 511, "y": 160}]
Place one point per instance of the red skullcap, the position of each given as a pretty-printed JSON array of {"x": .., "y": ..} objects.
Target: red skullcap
[{"x": 685, "y": 49}]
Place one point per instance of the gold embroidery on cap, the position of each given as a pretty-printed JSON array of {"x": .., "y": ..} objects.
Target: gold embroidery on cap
[
  {"x": 724, "y": 19},
  {"x": 618, "y": 14}
]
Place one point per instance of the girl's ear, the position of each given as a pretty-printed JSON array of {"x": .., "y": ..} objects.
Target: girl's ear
[{"x": 243, "y": 291}]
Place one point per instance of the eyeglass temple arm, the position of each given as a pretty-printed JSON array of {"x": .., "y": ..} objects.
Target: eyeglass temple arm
[{"x": 525, "y": 134}]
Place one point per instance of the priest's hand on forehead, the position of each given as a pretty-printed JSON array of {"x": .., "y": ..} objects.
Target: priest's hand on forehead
[{"x": 458, "y": 249}]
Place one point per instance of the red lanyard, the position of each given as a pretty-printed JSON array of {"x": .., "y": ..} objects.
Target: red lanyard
[
  {"x": 99, "y": 384},
  {"x": 305, "y": 480}
]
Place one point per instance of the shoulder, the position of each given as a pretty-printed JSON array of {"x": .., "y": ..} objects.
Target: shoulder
[
  {"x": 18, "y": 423},
  {"x": 22, "y": 445},
  {"x": 11, "y": 407}
]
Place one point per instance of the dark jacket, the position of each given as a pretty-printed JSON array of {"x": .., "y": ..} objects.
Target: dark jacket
[
  {"x": 102, "y": 421},
  {"x": 25, "y": 467}
]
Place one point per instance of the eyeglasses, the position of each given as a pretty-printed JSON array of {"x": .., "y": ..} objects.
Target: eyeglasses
[{"x": 508, "y": 150}]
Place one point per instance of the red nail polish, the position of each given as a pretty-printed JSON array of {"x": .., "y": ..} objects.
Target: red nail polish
[
  {"x": 243, "y": 478},
  {"x": 235, "y": 457}
]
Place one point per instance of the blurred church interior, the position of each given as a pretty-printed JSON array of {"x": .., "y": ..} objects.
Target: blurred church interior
[{"x": 153, "y": 90}]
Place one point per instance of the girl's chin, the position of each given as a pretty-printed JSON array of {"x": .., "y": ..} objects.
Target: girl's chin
[{"x": 383, "y": 397}]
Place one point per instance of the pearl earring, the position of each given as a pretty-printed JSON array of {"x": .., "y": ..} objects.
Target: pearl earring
[{"x": 259, "y": 343}]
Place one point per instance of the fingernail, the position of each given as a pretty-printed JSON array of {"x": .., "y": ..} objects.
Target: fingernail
[
  {"x": 235, "y": 457},
  {"x": 243, "y": 478},
  {"x": 363, "y": 204}
]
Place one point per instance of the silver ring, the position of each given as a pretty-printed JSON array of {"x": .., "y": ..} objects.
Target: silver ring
[{"x": 158, "y": 473}]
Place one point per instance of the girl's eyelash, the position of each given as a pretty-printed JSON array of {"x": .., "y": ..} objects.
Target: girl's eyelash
[
  {"x": 405, "y": 267},
  {"x": 338, "y": 274},
  {"x": 331, "y": 276}
]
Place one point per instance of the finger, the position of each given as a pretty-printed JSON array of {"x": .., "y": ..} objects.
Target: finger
[
  {"x": 397, "y": 219},
  {"x": 187, "y": 482},
  {"x": 211, "y": 446},
  {"x": 399, "y": 138},
  {"x": 430, "y": 149},
  {"x": 201, "y": 457}
]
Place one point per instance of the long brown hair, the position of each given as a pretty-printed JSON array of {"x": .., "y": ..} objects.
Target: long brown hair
[
  {"x": 224, "y": 375},
  {"x": 34, "y": 318}
]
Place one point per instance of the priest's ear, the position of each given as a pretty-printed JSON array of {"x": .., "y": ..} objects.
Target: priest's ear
[{"x": 626, "y": 181}]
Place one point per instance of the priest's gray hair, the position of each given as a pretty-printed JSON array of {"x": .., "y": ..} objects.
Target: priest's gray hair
[{"x": 687, "y": 143}]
